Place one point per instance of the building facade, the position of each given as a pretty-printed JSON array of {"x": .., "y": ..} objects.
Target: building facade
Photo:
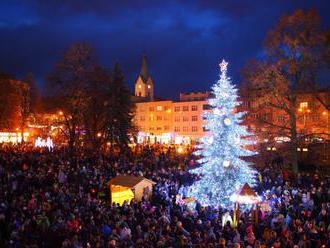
[{"x": 182, "y": 121}]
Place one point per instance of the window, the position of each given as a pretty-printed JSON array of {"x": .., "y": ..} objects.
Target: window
[
  {"x": 303, "y": 105},
  {"x": 166, "y": 127},
  {"x": 206, "y": 107},
  {"x": 151, "y": 118},
  {"x": 140, "y": 86},
  {"x": 185, "y": 108},
  {"x": 177, "y": 109},
  {"x": 149, "y": 86},
  {"x": 159, "y": 118},
  {"x": 165, "y": 118},
  {"x": 177, "y": 118},
  {"x": 280, "y": 118},
  {"x": 151, "y": 128},
  {"x": 315, "y": 118},
  {"x": 185, "y": 129},
  {"x": 159, "y": 128},
  {"x": 159, "y": 108},
  {"x": 142, "y": 118},
  {"x": 185, "y": 118},
  {"x": 151, "y": 109},
  {"x": 176, "y": 129},
  {"x": 194, "y": 108},
  {"x": 194, "y": 129},
  {"x": 166, "y": 108},
  {"x": 194, "y": 118},
  {"x": 265, "y": 116}
]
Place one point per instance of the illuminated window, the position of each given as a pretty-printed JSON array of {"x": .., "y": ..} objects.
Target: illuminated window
[
  {"x": 140, "y": 86},
  {"x": 149, "y": 86},
  {"x": 159, "y": 108},
  {"x": 194, "y": 129},
  {"x": 194, "y": 108},
  {"x": 303, "y": 105},
  {"x": 176, "y": 109},
  {"x": 194, "y": 118},
  {"x": 185, "y": 108},
  {"x": 151, "y": 118}
]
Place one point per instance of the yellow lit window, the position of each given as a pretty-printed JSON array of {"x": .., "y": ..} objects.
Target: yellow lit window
[
  {"x": 149, "y": 86},
  {"x": 159, "y": 108},
  {"x": 140, "y": 86},
  {"x": 303, "y": 105}
]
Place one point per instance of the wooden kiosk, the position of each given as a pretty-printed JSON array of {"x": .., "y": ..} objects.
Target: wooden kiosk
[
  {"x": 126, "y": 187},
  {"x": 245, "y": 195}
]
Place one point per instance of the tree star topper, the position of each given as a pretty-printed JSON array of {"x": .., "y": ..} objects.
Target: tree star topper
[{"x": 223, "y": 65}]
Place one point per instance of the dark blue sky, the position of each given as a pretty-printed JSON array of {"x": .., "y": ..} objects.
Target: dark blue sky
[{"x": 183, "y": 40}]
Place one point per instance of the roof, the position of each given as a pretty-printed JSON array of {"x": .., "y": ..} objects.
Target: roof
[
  {"x": 144, "y": 71},
  {"x": 245, "y": 195},
  {"x": 246, "y": 191},
  {"x": 128, "y": 181}
]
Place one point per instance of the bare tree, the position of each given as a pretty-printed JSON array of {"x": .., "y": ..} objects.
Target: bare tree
[
  {"x": 295, "y": 54},
  {"x": 69, "y": 83}
]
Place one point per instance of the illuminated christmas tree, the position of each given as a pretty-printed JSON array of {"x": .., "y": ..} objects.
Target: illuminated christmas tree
[{"x": 223, "y": 170}]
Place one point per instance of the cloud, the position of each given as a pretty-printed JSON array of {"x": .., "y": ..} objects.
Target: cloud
[{"x": 184, "y": 40}]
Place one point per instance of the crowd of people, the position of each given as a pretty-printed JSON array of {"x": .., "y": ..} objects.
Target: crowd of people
[{"x": 56, "y": 199}]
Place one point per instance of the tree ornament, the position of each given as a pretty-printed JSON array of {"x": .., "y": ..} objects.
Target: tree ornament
[
  {"x": 227, "y": 121},
  {"x": 226, "y": 163}
]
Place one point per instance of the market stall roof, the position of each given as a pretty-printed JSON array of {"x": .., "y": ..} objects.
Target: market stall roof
[
  {"x": 128, "y": 181},
  {"x": 245, "y": 195}
]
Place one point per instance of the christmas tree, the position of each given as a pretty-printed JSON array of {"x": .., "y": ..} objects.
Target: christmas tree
[{"x": 223, "y": 170}]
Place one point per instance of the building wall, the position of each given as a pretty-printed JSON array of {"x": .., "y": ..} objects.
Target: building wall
[
  {"x": 183, "y": 121},
  {"x": 312, "y": 116},
  {"x": 140, "y": 87},
  {"x": 143, "y": 89},
  {"x": 154, "y": 118},
  {"x": 188, "y": 120}
]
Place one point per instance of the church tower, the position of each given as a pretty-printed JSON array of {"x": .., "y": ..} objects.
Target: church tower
[{"x": 144, "y": 86}]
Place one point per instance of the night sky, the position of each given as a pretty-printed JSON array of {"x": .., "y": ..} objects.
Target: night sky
[{"x": 183, "y": 40}]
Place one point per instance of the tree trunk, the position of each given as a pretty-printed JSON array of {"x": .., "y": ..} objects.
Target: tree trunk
[
  {"x": 294, "y": 138},
  {"x": 72, "y": 136}
]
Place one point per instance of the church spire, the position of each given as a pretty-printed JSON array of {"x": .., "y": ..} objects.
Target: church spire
[{"x": 144, "y": 71}]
